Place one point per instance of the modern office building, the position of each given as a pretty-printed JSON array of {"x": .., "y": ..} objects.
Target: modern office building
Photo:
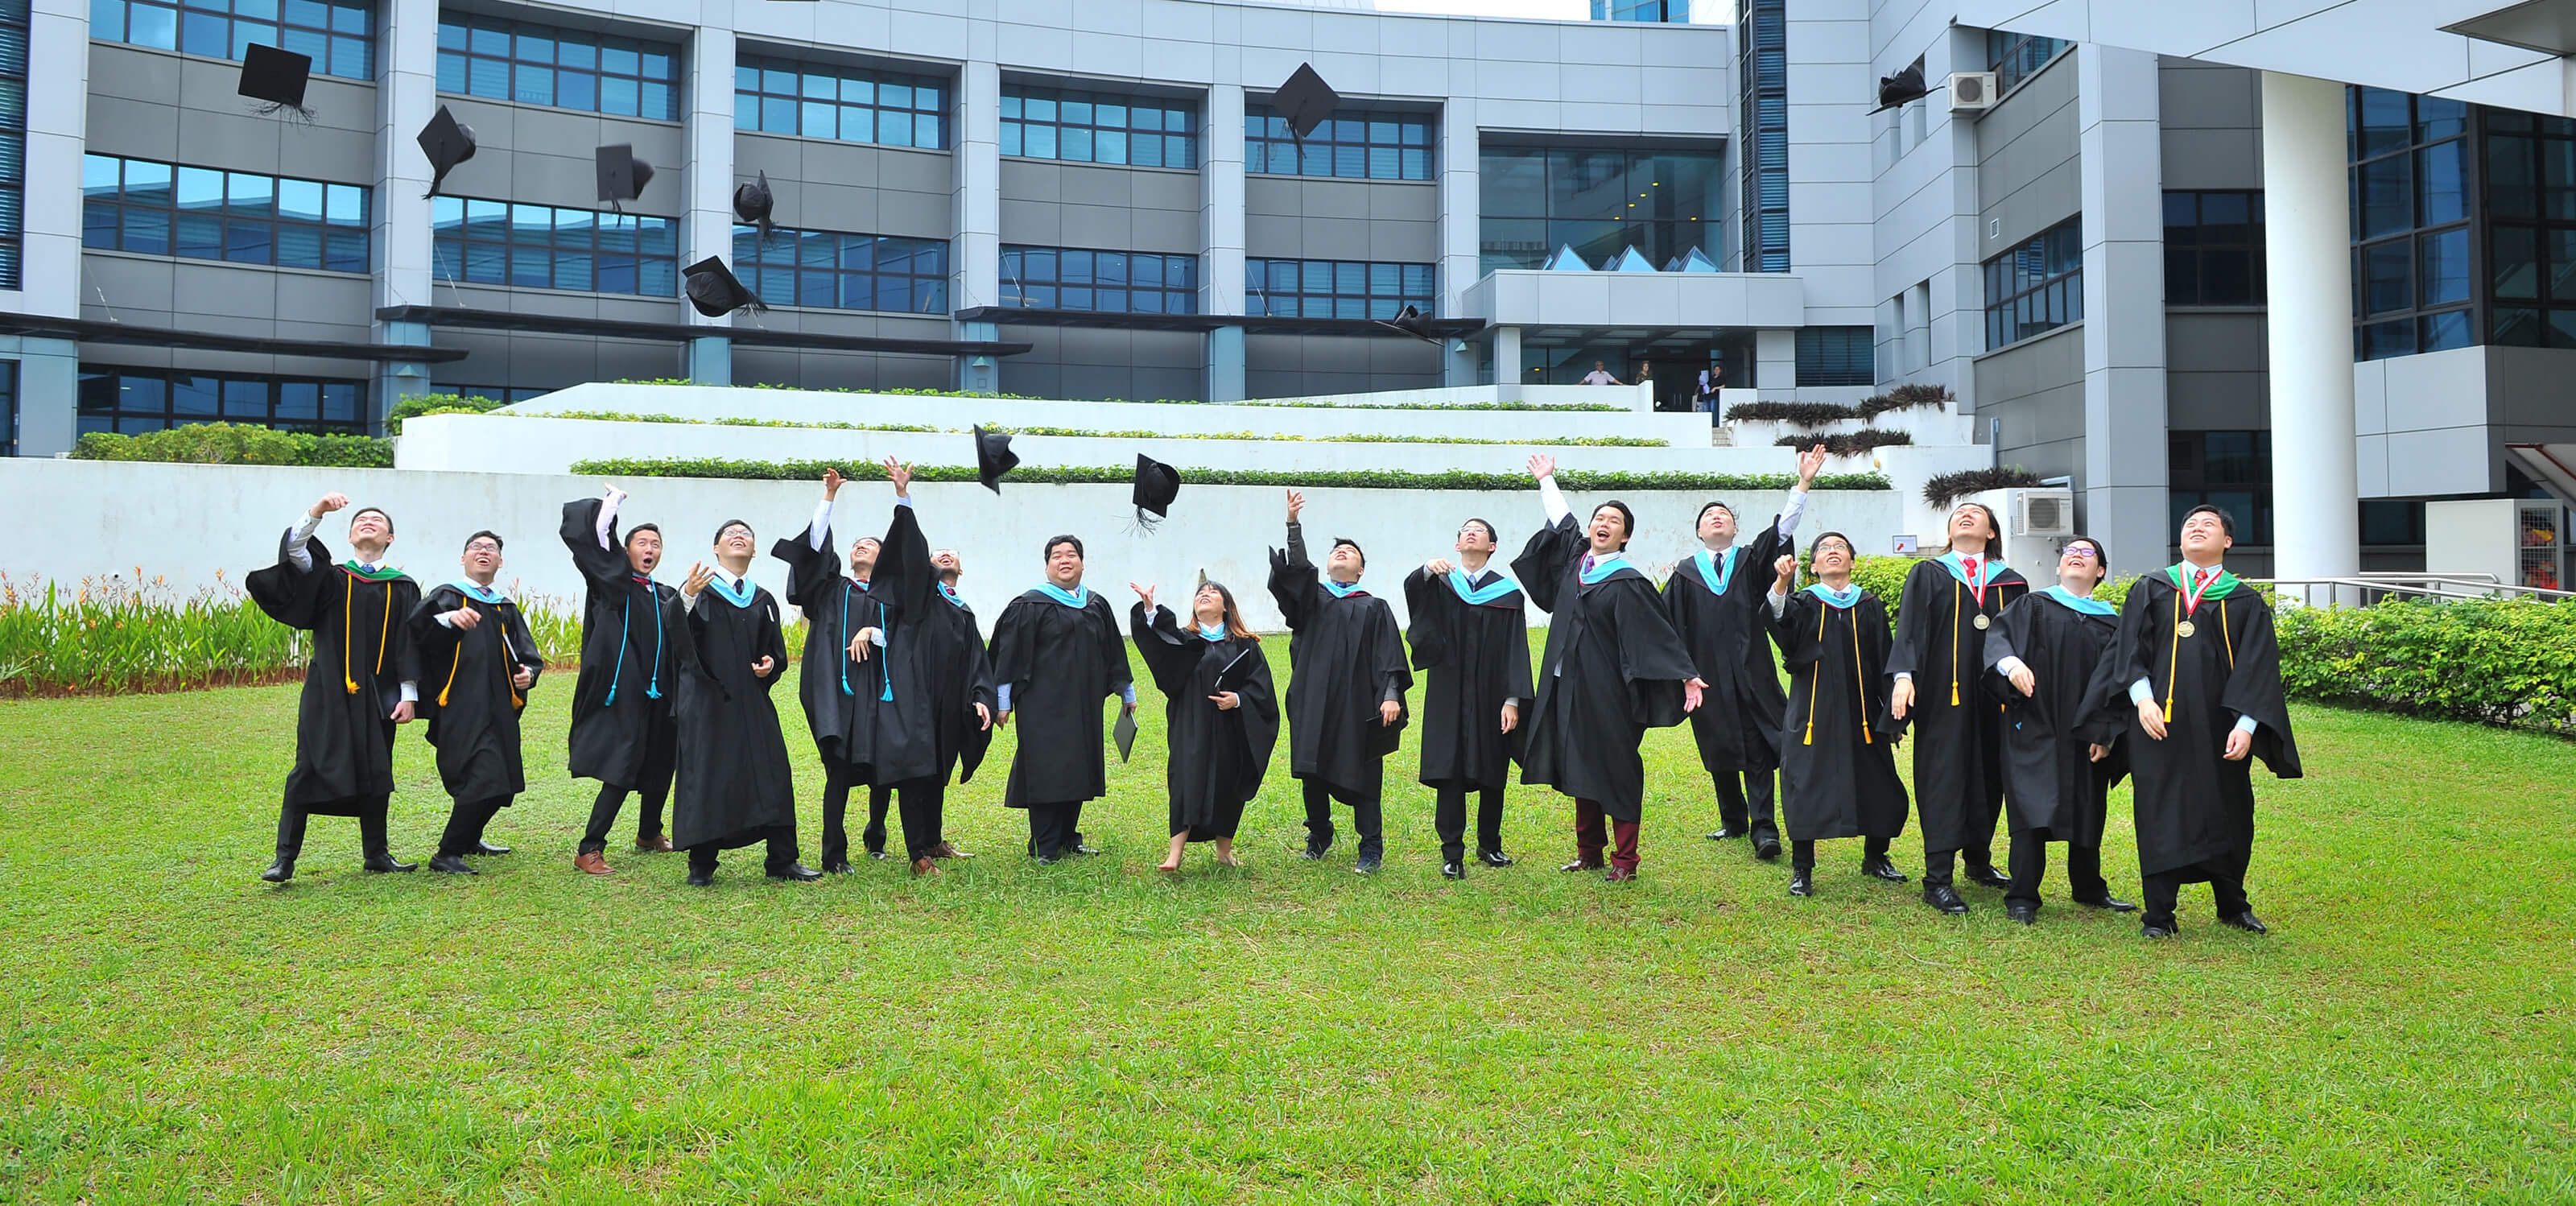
[
  {"x": 1673, "y": 11},
  {"x": 2080, "y": 230}
]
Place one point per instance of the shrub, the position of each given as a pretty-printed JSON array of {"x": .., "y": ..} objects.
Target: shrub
[
  {"x": 1804, "y": 414},
  {"x": 1121, "y": 475},
  {"x": 437, "y": 404},
  {"x": 2509, "y": 662},
  {"x": 236, "y": 444},
  {"x": 1948, "y": 488},
  {"x": 1857, "y": 443},
  {"x": 1905, "y": 397}
]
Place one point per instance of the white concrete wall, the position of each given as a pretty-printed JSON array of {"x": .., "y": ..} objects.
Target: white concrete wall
[{"x": 187, "y": 524}]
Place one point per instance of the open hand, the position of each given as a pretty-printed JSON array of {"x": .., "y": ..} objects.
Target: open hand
[
  {"x": 403, "y": 712},
  {"x": 832, "y": 481},
  {"x": 613, "y": 494},
  {"x": 1144, "y": 596},
  {"x": 901, "y": 475},
  {"x": 1388, "y": 711},
  {"x": 2239, "y": 744},
  {"x": 1226, "y": 701},
  {"x": 1438, "y": 567},
  {"x": 1810, "y": 463},
  {"x": 1511, "y": 717},
  {"x": 761, "y": 668},
  {"x": 984, "y": 717},
  {"x": 861, "y": 640},
  {"x": 699, "y": 577},
  {"x": 1900, "y": 698},
  {"x": 2024, "y": 681},
  {"x": 2151, "y": 717},
  {"x": 1296, "y": 503},
  {"x": 1542, "y": 466},
  {"x": 1693, "y": 692}
]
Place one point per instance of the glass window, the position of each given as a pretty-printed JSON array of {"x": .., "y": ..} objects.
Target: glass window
[
  {"x": 132, "y": 400},
  {"x": 2016, "y": 57},
  {"x": 1836, "y": 356},
  {"x": 1071, "y": 278},
  {"x": 129, "y": 205},
  {"x": 13, "y": 151},
  {"x": 1356, "y": 144},
  {"x": 226, "y": 29},
  {"x": 2213, "y": 248},
  {"x": 1535, "y": 200},
  {"x": 2411, "y": 197},
  {"x": 830, "y": 270},
  {"x": 810, "y": 100},
  {"x": 1085, "y": 127},
  {"x": 1762, "y": 34},
  {"x": 2036, "y": 287},
  {"x": 1342, "y": 289},
  {"x": 535, "y": 64},
  {"x": 9, "y": 408},
  {"x": 537, "y": 247}
]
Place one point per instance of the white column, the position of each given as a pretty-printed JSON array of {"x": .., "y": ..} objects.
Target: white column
[
  {"x": 2307, "y": 261},
  {"x": 708, "y": 180},
  {"x": 57, "y": 130},
  {"x": 975, "y": 263},
  {"x": 406, "y": 99},
  {"x": 1221, "y": 231},
  {"x": 2120, "y": 140},
  {"x": 1461, "y": 228}
]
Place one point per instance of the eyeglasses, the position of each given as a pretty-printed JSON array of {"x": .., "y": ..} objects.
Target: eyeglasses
[
  {"x": 482, "y": 546},
  {"x": 2081, "y": 553}
]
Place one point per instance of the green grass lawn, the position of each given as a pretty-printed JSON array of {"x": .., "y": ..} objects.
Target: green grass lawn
[{"x": 171, "y": 1030}]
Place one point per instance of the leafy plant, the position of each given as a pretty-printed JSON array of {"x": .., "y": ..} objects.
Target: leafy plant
[
  {"x": 438, "y": 404},
  {"x": 1905, "y": 397},
  {"x": 236, "y": 444},
  {"x": 1123, "y": 474},
  {"x": 2508, "y": 662},
  {"x": 1856, "y": 443},
  {"x": 1948, "y": 488},
  {"x": 1804, "y": 414}
]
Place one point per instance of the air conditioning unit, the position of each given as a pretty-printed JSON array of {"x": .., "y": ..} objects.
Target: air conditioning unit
[
  {"x": 2043, "y": 513},
  {"x": 1972, "y": 91}
]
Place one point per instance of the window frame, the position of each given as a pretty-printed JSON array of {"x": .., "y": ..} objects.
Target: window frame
[
  {"x": 760, "y": 102},
  {"x": 652, "y": 244},
  {"x": 468, "y": 39},
  {"x": 1762, "y": 242},
  {"x": 2200, "y": 251},
  {"x": 223, "y": 402},
  {"x": 109, "y": 220},
  {"x": 331, "y": 46},
  {"x": 2423, "y": 322},
  {"x": 1363, "y": 302},
  {"x": 9, "y": 412},
  {"x": 2015, "y": 57},
  {"x": 2022, "y": 304},
  {"x": 1266, "y": 135},
  {"x": 1016, "y": 122},
  {"x": 788, "y": 280},
  {"x": 1815, "y": 359},
  {"x": 1024, "y": 287}
]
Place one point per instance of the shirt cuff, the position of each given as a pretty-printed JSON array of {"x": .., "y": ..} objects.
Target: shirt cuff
[
  {"x": 903, "y": 500},
  {"x": 1002, "y": 697},
  {"x": 1905, "y": 676},
  {"x": 1128, "y": 694},
  {"x": 443, "y": 620},
  {"x": 1779, "y": 604},
  {"x": 411, "y": 692},
  {"x": 2246, "y": 724},
  {"x": 2010, "y": 664},
  {"x": 2141, "y": 691}
]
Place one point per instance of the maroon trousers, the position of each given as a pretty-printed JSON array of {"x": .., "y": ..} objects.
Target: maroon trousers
[{"x": 1590, "y": 837}]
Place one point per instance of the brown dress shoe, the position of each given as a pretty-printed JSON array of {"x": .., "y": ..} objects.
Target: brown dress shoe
[
  {"x": 657, "y": 844},
  {"x": 923, "y": 866},
  {"x": 591, "y": 863},
  {"x": 948, "y": 850}
]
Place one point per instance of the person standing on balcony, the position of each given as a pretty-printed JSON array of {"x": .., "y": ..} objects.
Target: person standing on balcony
[
  {"x": 1714, "y": 602},
  {"x": 1941, "y": 621},
  {"x": 1711, "y": 380},
  {"x": 490, "y": 660},
  {"x": 1470, "y": 639},
  {"x": 1600, "y": 375},
  {"x": 1057, "y": 653},
  {"x": 1612, "y": 669},
  {"x": 1346, "y": 683},
  {"x": 361, "y": 683},
  {"x": 624, "y": 731}
]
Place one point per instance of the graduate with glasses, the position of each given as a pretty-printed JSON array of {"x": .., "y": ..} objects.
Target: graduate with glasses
[
  {"x": 1837, "y": 741},
  {"x": 735, "y": 787},
  {"x": 2041, "y": 657},
  {"x": 1221, "y": 718},
  {"x": 1470, "y": 638},
  {"x": 1949, "y": 604},
  {"x": 480, "y": 663},
  {"x": 625, "y": 732},
  {"x": 1057, "y": 653}
]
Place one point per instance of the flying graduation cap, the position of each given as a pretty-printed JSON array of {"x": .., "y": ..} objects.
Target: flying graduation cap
[
  {"x": 1157, "y": 484},
  {"x": 1305, "y": 100},
  {"x": 276, "y": 78},
  {"x": 1902, "y": 88},
  {"x": 753, "y": 203},
  {"x": 993, "y": 458},
  {"x": 1411, "y": 321},
  {"x": 448, "y": 142},
  {"x": 622, "y": 176},
  {"x": 715, "y": 290}
]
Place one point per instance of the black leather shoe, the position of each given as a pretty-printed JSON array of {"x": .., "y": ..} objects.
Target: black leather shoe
[
  {"x": 2152, "y": 930},
  {"x": 1083, "y": 847},
  {"x": 1726, "y": 833},
  {"x": 797, "y": 872},
  {"x": 1453, "y": 869},
  {"x": 1367, "y": 865},
  {"x": 2023, "y": 913},
  {"x": 878, "y": 855},
  {"x": 1048, "y": 861},
  {"x": 1768, "y": 852},
  {"x": 701, "y": 879},
  {"x": 2108, "y": 902},
  {"x": 1881, "y": 868},
  {"x": 2247, "y": 922},
  {"x": 837, "y": 866},
  {"x": 451, "y": 864},
  {"x": 1802, "y": 883},
  {"x": 1987, "y": 877},
  {"x": 1581, "y": 865},
  {"x": 385, "y": 862},
  {"x": 280, "y": 871},
  {"x": 484, "y": 847},
  {"x": 1493, "y": 858},
  {"x": 1945, "y": 898},
  {"x": 1315, "y": 853}
]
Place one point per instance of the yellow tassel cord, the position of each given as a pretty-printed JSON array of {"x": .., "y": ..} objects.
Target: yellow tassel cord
[
  {"x": 452, "y": 664},
  {"x": 2231, "y": 637},
  {"x": 1955, "y": 592},
  {"x": 1816, "y": 677},
  {"x": 2173, "y": 660},
  {"x": 348, "y": 622},
  {"x": 1859, "y": 684}
]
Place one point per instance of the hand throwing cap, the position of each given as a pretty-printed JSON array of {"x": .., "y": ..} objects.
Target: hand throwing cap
[
  {"x": 993, "y": 458},
  {"x": 1305, "y": 100},
  {"x": 448, "y": 142},
  {"x": 714, "y": 289},
  {"x": 622, "y": 176},
  {"x": 276, "y": 77}
]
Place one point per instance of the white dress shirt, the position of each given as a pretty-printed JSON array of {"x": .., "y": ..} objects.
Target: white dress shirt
[{"x": 296, "y": 555}]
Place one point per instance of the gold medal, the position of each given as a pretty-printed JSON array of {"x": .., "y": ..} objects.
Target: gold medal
[
  {"x": 1982, "y": 622},
  {"x": 2184, "y": 629}
]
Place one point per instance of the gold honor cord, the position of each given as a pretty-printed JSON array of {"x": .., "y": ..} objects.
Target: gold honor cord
[
  {"x": 1816, "y": 677},
  {"x": 1955, "y": 591},
  {"x": 458, "y": 660},
  {"x": 348, "y": 626},
  {"x": 2173, "y": 660},
  {"x": 1862, "y": 685}
]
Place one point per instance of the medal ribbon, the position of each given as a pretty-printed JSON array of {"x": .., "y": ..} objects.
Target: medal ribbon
[{"x": 2192, "y": 594}]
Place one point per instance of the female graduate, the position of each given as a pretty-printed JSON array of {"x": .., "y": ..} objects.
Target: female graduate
[
  {"x": 1949, "y": 604},
  {"x": 1222, "y": 718},
  {"x": 2041, "y": 655},
  {"x": 1837, "y": 757}
]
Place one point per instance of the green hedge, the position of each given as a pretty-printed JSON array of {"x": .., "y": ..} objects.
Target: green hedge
[
  {"x": 608, "y": 416},
  {"x": 2496, "y": 662},
  {"x": 1123, "y": 474},
  {"x": 437, "y": 404},
  {"x": 1856, "y": 443},
  {"x": 237, "y": 444}
]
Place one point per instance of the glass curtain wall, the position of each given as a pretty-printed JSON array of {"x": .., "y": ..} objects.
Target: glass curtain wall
[{"x": 1537, "y": 199}]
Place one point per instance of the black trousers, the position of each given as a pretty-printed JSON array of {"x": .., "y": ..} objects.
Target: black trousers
[
  {"x": 603, "y": 814},
  {"x": 919, "y": 808},
  {"x": 2030, "y": 865},
  {"x": 1802, "y": 855},
  {"x": 838, "y": 780},
  {"x": 1365, "y": 817},
  {"x": 1938, "y": 864},
  {"x": 1747, "y": 805},
  {"x": 2226, "y": 876},
  {"x": 1451, "y": 820},
  {"x": 371, "y": 825},
  {"x": 782, "y": 850},
  {"x": 1054, "y": 829},
  {"x": 465, "y": 822}
]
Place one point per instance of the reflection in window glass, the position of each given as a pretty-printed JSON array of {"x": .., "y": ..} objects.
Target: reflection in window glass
[
  {"x": 130, "y": 401},
  {"x": 129, "y": 205},
  {"x": 561, "y": 68},
  {"x": 539, "y": 247}
]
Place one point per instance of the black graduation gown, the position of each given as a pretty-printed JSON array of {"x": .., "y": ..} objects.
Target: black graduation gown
[
  {"x": 1473, "y": 656},
  {"x": 1958, "y": 738},
  {"x": 467, "y": 694},
  {"x": 1344, "y": 657},
  {"x": 344, "y": 727},
  {"x": 1612, "y": 669},
  {"x": 1729, "y": 638},
  {"x": 2051, "y": 782},
  {"x": 1216, "y": 758},
  {"x": 1837, "y": 744},
  {"x": 874, "y": 715},
  {"x": 1060, "y": 663},
  {"x": 952, "y": 665},
  {"x": 734, "y": 784},
  {"x": 2193, "y": 805},
  {"x": 622, "y": 702}
]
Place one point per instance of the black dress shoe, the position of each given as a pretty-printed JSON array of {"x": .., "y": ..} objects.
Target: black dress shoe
[
  {"x": 1493, "y": 858},
  {"x": 1802, "y": 883},
  {"x": 385, "y": 862},
  {"x": 797, "y": 872},
  {"x": 1768, "y": 852},
  {"x": 1726, "y": 833},
  {"x": 2152, "y": 930},
  {"x": 2247, "y": 922},
  {"x": 2026, "y": 914},
  {"x": 451, "y": 864},
  {"x": 1581, "y": 865},
  {"x": 1315, "y": 853},
  {"x": 701, "y": 879},
  {"x": 1987, "y": 877},
  {"x": 1881, "y": 868},
  {"x": 2108, "y": 902},
  {"x": 1945, "y": 898},
  {"x": 1453, "y": 869},
  {"x": 280, "y": 871},
  {"x": 1367, "y": 865},
  {"x": 1082, "y": 847},
  {"x": 878, "y": 855},
  {"x": 484, "y": 847},
  {"x": 837, "y": 866},
  {"x": 1048, "y": 860}
]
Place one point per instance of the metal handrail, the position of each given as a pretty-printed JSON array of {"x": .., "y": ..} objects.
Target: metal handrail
[{"x": 2400, "y": 584}]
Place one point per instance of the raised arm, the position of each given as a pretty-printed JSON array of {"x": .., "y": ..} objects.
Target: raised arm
[
  {"x": 904, "y": 575},
  {"x": 589, "y": 531}
]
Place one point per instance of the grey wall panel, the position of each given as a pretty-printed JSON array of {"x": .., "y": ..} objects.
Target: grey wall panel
[
  {"x": 135, "y": 74},
  {"x": 2217, "y": 374},
  {"x": 2027, "y": 175},
  {"x": 852, "y": 187},
  {"x": 561, "y": 303},
  {"x": 1289, "y": 366},
  {"x": 544, "y": 156},
  {"x": 196, "y": 295},
  {"x": 1081, "y": 363},
  {"x": 133, "y": 128},
  {"x": 1110, "y": 208},
  {"x": 127, "y": 355},
  {"x": 2212, "y": 119},
  {"x": 2037, "y": 390},
  {"x": 1291, "y": 218},
  {"x": 840, "y": 370}
]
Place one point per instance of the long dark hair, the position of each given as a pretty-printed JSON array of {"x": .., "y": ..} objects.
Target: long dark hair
[{"x": 1233, "y": 615}]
